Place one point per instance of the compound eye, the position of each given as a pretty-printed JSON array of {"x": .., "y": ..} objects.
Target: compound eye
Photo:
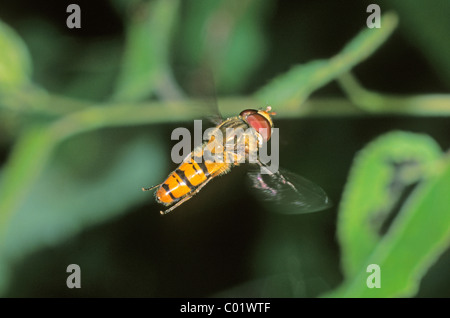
[
  {"x": 260, "y": 124},
  {"x": 247, "y": 112}
]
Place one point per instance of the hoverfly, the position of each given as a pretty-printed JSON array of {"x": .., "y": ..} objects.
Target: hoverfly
[{"x": 197, "y": 170}]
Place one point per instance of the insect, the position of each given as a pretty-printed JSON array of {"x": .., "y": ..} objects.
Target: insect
[{"x": 197, "y": 169}]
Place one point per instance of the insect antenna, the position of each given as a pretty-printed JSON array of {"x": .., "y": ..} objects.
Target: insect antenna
[{"x": 269, "y": 111}]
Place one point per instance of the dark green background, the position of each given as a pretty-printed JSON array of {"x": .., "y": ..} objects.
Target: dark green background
[{"x": 224, "y": 242}]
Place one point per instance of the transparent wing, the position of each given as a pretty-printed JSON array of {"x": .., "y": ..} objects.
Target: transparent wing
[
  {"x": 215, "y": 119},
  {"x": 202, "y": 86},
  {"x": 288, "y": 192}
]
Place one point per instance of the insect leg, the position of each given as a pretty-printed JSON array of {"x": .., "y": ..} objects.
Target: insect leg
[
  {"x": 187, "y": 197},
  {"x": 278, "y": 175},
  {"x": 263, "y": 166},
  {"x": 151, "y": 188}
]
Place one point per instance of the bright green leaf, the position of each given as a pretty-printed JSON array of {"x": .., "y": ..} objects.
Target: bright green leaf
[
  {"x": 376, "y": 180},
  {"x": 418, "y": 234},
  {"x": 15, "y": 61}
]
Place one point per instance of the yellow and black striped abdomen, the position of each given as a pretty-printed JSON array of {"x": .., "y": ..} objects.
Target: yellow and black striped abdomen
[
  {"x": 186, "y": 179},
  {"x": 195, "y": 170}
]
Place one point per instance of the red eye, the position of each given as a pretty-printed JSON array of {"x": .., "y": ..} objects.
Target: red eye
[{"x": 260, "y": 124}]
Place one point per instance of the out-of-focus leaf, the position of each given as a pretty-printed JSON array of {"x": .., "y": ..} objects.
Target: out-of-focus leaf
[
  {"x": 15, "y": 62},
  {"x": 245, "y": 48},
  {"x": 376, "y": 181},
  {"x": 226, "y": 35},
  {"x": 427, "y": 26},
  {"x": 60, "y": 206},
  {"x": 147, "y": 49},
  {"x": 294, "y": 87},
  {"x": 418, "y": 234}
]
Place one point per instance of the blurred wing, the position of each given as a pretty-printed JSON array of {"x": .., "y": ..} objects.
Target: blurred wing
[
  {"x": 288, "y": 192},
  {"x": 202, "y": 85},
  {"x": 216, "y": 119}
]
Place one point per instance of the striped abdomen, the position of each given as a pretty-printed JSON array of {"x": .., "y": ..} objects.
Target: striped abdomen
[
  {"x": 187, "y": 178},
  {"x": 195, "y": 170}
]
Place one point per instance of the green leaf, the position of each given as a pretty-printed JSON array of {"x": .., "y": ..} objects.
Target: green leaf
[
  {"x": 244, "y": 49},
  {"x": 371, "y": 191},
  {"x": 418, "y": 234},
  {"x": 426, "y": 26},
  {"x": 62, "y": 204},
  {"x": 294, "y": 87},
  {"x": 15, "y": 61},
  {"x": 227, "y": 37},
  {"x": 147, "y": 49}
]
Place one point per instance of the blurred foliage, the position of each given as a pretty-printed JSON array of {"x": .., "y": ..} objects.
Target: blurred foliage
[
  {"x": 82, "y": 134},
  {"x": 147, "y": 52},
  {"x": 230, "y": 39},
  {"x": 16, "y": 64},
  {"x": 426, "y": 26},
  {"x": 310, "y": 77},
  {"x": 417, "y": 235}
]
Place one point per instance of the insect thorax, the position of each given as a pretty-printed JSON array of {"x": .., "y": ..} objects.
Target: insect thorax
[{"x": 234, "y": 141}]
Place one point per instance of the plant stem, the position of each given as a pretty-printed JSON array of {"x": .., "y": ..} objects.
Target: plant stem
[{"x": 376, "y": 103}]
